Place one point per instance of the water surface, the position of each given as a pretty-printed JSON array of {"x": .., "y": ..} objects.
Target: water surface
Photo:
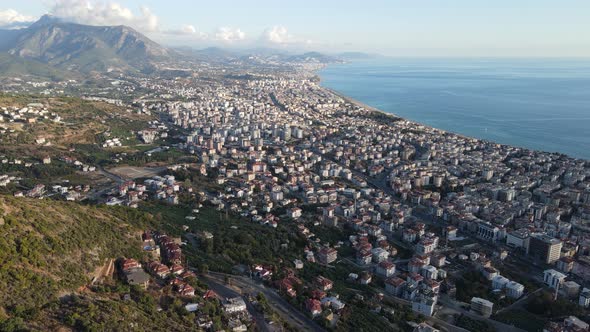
[{"x": 542, "y": 104}]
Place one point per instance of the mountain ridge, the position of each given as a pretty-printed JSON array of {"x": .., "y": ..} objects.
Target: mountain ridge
[{"x": 81, "y": 47}]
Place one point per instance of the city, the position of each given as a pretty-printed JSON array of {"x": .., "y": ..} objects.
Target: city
[{"x": 241, "y": 194}]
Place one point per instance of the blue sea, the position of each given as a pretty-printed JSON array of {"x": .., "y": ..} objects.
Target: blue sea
[{"x": 541, "y": 104}]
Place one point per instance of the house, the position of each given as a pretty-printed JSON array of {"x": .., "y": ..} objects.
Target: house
[
  {"x": 318, "y": 294},
  {"x": 160, "y": 270},
  {"x": 424, "y": 304},
  {"x": 514, "y": 290},
  {"x": 569, "y": 324},
  {"x": 439, "y": 261},
  {"x": 425, "y": 246},
  {"x": 294, "y": 213},
  {"x": 431, "y": 286},
  {"x": 333, "y": 302},
  {"x": 409, "y": 235},
  {"x": 394, "y": 286},
  {"x": 298, "y": 264},
  {"x": 429, "y": 272},
  {"x": 499, "y": 282},
  {"x": 137, "y": 277},
  {"x": 379, "y": 255},
  {"x": 177, "y": 269},
  {"x": 423, "y": 327},
  {"x": 565, "y": 264},
  {"x": 385, "y": 269},
  {"x": 364, "y": 257},
  {"x": 366, "y": 278},
  {"x": 584, "y": 299},
  {"x": 327, "y": 255},
  {"x": 287, "y": 285},
  {"x": 489, "y": 273},
  {"x": 234, "y": 305},
  {"x": 185, "y": 289},
  {"x": 130, "y": 264},
  {"x": 314, "y": 307},
  {"x": 324, "y": 283}
]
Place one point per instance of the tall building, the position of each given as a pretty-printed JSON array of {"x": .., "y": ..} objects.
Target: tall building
[
  {"x": 519, "y": 239},
  {"x": 545, "y": 248},
  {"x": 482, "y": 306},
  {"x": 487, "y": 232},
  {"x": 584, "y": 299},
  {"x": 553, "y": 278},
  {"x": 514, "y": 289}
]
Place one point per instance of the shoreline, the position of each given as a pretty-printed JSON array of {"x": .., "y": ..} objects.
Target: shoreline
[{"x": 393, "y": 115}]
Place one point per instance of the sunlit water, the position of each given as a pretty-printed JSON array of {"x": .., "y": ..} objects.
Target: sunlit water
[{"x": 537, "y": 104}]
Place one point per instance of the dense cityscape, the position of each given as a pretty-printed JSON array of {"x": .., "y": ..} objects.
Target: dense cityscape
[{"x": 239, "y": 194}]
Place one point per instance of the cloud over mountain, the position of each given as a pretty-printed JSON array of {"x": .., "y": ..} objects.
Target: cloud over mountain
[
  {"x": 103, "y": 13},
  {"x": 11, "y": 19},
  {"x": 116, "y": 12}
]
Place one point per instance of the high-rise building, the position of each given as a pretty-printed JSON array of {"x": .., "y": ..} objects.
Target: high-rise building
[
  {"x": 482, "y": 306},
  {"x": 545, "y": 248},
  {"x": 553, "y": 278}
]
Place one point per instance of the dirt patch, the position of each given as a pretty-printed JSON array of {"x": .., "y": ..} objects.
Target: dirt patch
[{"x": 131, "y": 172}]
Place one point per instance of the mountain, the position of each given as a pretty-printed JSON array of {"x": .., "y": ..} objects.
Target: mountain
[
  {"x": 313, "y": 57},
  {"x": 82, "y": 48},
  {"x": 358, "y": 56},
  {"x": 11, "y": 65}
]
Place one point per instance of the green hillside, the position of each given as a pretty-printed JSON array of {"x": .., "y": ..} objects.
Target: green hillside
[
  {"x": 48, "y": 248},
  {"x": 11, "y": 65}
]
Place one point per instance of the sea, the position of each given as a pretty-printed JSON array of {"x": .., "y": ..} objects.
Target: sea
[{"x": 540, "y": 104}]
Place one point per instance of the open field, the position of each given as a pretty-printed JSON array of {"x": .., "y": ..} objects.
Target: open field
[{"x": 132, "y": 172}]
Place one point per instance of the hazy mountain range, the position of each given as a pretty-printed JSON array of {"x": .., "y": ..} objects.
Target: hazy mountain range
[{"x": 52, "y": 48}]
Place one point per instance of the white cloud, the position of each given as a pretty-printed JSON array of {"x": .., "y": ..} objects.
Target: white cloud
[
  {"x": 12, "y": 19},
  {"x": 278, "y": 35},
  {"x": 102, "y": 13},
  {"x": 187, "y": 30},
  {"x": 227, "y": 34},
  {"x": 99, "y": 12}
]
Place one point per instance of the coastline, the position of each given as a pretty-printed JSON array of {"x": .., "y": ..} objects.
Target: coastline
[
  {"x": 359, "y": 103},
  {"x": 373, "y": 109}
]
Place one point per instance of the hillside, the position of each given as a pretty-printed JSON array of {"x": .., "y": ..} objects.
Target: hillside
[
  {"x": 83, "y": 48},
  {"x": 82, "y": 123},
  {"x": 11, "y": 65},
  {"x": 48, "y": 248}
]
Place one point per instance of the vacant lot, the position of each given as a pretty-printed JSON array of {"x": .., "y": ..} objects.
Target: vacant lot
[{"x": 132, "y": 172}]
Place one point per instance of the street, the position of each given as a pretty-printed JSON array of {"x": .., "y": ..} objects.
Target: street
[{"x": 289, "y": 313}]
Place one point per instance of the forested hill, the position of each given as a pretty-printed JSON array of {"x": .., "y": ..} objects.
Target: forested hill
[{"x": 49, "y": 248}]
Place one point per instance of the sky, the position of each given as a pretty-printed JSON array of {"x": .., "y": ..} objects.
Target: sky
[{"x": 422, "y": 28}]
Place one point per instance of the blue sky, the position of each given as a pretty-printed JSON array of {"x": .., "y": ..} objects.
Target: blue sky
[{"x": 391, "y": 27}]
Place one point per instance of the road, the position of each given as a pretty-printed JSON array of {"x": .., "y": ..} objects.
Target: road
[
  {"x": 289, "y": 313},
  {"x": 451, "y": 305},
  {"x": 226, "y": 292},
  {"x": 520, "y": 301},
  {"x": 97, "y": 193}
]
